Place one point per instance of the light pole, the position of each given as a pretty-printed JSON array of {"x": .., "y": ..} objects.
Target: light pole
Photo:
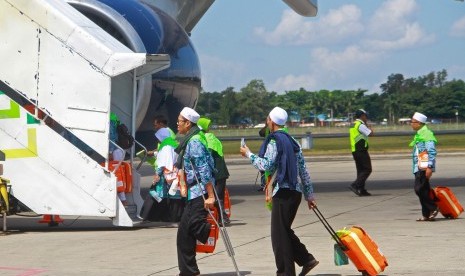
[
  {"x": 314, "y": 118},
  {"x": 350, "y": 115},
  {"x": 331, "y": 115},
  {"x": 456, "y": 115}
]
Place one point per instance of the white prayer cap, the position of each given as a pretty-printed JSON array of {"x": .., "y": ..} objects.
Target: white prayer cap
[
  {"x": 278, "y": 116},
  {"x": 360, "y": 112},
  {"x": 162, "y": 134},
  {"x": 419, "y": 117},
  {"x": 190, "y": 114}
]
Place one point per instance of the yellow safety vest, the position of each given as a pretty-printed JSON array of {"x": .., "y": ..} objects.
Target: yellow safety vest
[{"x": 356, "y": 136}]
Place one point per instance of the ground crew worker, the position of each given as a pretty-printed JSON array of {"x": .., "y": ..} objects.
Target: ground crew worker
[
  {"x": 424, "y": 142},
  {"x": 221, "y": 173},
  {"x": 359, "y": 132},
  {"x": 282, "y": 156},
  {"x": 197, "y": 163}
]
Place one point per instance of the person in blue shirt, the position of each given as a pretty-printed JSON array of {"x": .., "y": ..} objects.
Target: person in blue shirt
[
  {"x": 281, "y": 155},
  {"x": 424, "y": 141},
  {"x": 221, "y": 174},
  {"x": 194, "y": 163}
]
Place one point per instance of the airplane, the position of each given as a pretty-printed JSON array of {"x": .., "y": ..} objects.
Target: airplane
[
  {"x": 162, "y": 27},
  {"x": 68, "y": 64}
]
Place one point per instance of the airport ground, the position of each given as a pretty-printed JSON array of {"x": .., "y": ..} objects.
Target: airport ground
[{"x": 89, "y": 246}]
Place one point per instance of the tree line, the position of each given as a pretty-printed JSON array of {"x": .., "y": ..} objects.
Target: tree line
[{"x": 399, "y": 97}]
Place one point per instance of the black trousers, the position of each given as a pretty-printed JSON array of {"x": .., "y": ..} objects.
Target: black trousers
[
  {"x": 175, "y": 207},
  {"x": 423, "y": 191},
  {"x": 220, "y": 185},
  {"x": 153, "y": 210},
  {"x": 363, "y": 165},
  {"x": 287, "y": 247},
  {"x": 193, "y": 227}
]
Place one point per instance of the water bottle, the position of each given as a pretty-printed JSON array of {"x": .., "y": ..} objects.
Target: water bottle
[
  {"x": 155, "y": 195},
  {"x": 173, "y": 188}
]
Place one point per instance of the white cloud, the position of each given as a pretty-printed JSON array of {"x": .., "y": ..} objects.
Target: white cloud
[
  {"x": 294, "y": 29},
  {"x": 343, "y": 62},
  {"x": 391, "y": 16},
  {"x": 292, "y": 82},
  {"x": 458, "y": 28},
  {"x": 393, "y": 27},
  {"x": 330, "y": 69},
  {"x": 411, "y": 36}
]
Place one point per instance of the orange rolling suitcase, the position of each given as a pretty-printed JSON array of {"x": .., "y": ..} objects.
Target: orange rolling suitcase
[
  {"x": 447, "y": 203},
  {"x": 363, "y": 251},
  {"x": 128, "y": 176},
  {"x": 210, "y": 245},
  {"x": 123, "y": 175},
  {"x": 119, "y": 173},
  {"x": 358, "y": 246}
]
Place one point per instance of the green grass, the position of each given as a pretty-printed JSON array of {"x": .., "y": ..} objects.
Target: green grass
[
  {"x": 387, "y": 144},
  {"x": 238, "y": 132}
]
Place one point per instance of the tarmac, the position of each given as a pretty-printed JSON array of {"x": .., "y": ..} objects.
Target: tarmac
[{"x": 92, "y": 246}]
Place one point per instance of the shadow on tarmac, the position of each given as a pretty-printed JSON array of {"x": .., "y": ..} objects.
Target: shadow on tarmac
[
  {"x": 227, "y": 273},
  {"x": 372, "y": 185}
]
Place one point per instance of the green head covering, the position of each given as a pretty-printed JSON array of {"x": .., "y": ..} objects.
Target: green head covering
[
  {"x": 113, "y": 117},
  {"x": 204, "y": 123}
]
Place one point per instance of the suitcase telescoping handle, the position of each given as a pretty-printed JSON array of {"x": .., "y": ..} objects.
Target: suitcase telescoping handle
[{"x": 329, "y": 228}]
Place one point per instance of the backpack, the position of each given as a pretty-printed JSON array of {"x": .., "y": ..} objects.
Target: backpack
[{"x": 125, "y": 139}]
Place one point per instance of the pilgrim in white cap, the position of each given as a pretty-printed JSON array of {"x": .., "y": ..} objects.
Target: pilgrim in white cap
[
  {"x": 166, "y": 157},
  {"x": 278, "y": 116},
  {"x": 419, "y": 117},
  {"x": 190, "y": 114},
  {"x": 162, "y": 134}
]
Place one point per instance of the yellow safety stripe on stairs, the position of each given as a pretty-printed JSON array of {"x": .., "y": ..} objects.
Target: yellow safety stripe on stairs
[
  {"x": 29, "y": 151},
  {"x": 13, "y": 112},
  {"x": 10, "y": 113}
]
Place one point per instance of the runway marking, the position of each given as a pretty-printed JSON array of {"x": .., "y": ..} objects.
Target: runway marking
[{"x": 24, "y": 271}]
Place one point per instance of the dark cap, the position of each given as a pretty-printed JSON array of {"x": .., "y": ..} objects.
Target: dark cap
[
  {"x": 263, "y": 131},
  {"x": 360, "y": 112}
]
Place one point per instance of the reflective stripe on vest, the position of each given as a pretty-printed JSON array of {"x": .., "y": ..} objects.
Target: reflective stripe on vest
[{"x": 356, "y": 135}]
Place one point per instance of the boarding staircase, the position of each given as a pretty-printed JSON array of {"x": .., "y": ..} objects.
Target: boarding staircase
[{"x": 60, "y": 78}]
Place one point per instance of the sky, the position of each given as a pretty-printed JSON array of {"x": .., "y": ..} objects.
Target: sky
[{"x": 349, "y": 45}]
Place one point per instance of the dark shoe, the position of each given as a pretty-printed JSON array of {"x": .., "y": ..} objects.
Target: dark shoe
[
  {"x": 355, "y": 190},
  {"x": 226, "y": 221},
  {"x": 364, "y": 193},
  {"x": 309, "y": 266}
]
